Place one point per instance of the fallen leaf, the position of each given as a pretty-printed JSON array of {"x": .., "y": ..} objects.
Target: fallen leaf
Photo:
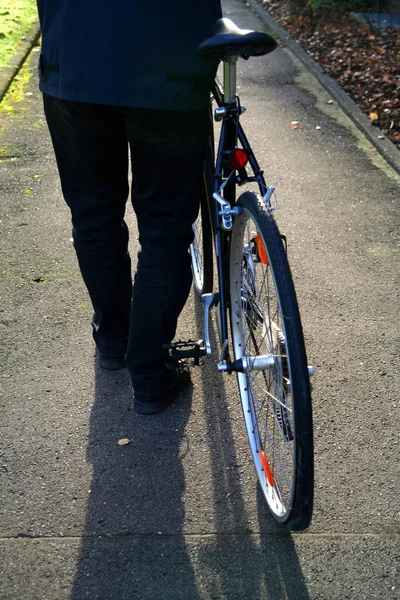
[
  {"x": 374, "y": 116},
  {"x": 124, "y": 442},
  {"x": 395, "y": 138},
  {"x": 369, "y": 74},
  {"x": 294, "y": 124}
]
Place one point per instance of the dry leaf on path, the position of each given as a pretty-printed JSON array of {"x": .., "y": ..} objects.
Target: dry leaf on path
[
  {"x": 124, "y": 442},
  {"x": 395, "y": 138}
]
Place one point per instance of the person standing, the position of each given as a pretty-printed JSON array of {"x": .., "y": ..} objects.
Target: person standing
[{"x": 119, "y": 76}]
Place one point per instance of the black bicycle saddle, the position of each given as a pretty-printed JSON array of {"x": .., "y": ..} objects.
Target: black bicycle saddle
[{"x": 230, "y": 40}]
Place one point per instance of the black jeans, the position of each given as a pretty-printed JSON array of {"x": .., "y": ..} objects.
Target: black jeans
[{"x": 167, "y": 153}]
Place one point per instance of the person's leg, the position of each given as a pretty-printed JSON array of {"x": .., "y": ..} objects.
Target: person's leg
[
  {"x": 91, "y": 149},
  {"x": 168, "y": 150}
]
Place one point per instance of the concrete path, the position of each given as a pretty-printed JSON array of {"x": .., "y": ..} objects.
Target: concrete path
[{"x": 177, "y": 514}]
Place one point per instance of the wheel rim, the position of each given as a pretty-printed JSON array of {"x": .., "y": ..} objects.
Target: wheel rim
[
  {"x": 257, "y": 328},
  {"x": 196, "y": 252}
]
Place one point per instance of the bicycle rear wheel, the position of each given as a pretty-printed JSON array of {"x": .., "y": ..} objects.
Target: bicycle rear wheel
[
  {"x": 274, "y": 387},
  {"x": 201, "y": 250}
]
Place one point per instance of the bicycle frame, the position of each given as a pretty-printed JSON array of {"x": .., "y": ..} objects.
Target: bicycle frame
[
  {"x": 221, "y": 181},
  {"x": 222, "y": 208}
]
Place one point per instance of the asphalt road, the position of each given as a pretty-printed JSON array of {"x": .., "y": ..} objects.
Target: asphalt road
[{"x": 177, "y": 514}]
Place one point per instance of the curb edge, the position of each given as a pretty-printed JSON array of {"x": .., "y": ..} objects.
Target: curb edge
[
  {"x": 385, "y": 148},
  {"x": 11, "y": 70}
]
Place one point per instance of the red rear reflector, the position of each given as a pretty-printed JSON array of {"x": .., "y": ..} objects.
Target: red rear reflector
[
  {"x": 261, "y": 251},
  {"x": 267, "y": 468},
  {"x": 238, "y": 159}
]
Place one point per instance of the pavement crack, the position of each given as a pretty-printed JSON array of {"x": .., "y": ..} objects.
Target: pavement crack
[{"x": 131, "y": 536}]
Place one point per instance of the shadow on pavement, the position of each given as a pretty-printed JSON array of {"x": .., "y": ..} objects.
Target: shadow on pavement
[
  {"x": 254, "y": 562},
  {"x": 133, "y": 546},
  {"x": 283, "y": 574}
]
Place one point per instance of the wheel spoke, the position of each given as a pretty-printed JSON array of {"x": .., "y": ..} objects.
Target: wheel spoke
[{"x": 274, "y": 398}]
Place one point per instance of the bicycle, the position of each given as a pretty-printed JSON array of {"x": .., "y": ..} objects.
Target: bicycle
[{"x": 255, "y": 290}]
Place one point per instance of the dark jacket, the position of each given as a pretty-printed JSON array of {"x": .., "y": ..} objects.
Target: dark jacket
[{"x": 127, "y": 52}]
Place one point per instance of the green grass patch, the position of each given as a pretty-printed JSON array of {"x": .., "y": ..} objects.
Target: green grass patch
[
  {"x": 16, "y": 18},
  {"x": 13, "y": 100}
]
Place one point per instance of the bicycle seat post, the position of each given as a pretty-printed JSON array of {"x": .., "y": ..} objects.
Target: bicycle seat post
[{"x": 230, "y": 79}]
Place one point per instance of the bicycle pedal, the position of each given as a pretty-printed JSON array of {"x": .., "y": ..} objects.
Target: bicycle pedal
[{"x": 191, "y": 349}]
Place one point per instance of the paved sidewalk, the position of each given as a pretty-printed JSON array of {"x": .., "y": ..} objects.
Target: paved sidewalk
[{"x": 177, "y": 513}]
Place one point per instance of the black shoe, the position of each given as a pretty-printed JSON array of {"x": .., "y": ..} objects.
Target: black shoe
[
  {"x": 151, "y": 404},
  {"x": 111, "y": 363}
]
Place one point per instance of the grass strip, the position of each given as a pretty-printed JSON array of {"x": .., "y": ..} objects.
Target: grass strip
[{"x": 16, "y": 18}]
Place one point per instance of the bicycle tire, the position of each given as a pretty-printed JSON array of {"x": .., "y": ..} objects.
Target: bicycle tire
[
  {"x": 201, "y": 249},
  {"x": 276, "y": 401}
]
